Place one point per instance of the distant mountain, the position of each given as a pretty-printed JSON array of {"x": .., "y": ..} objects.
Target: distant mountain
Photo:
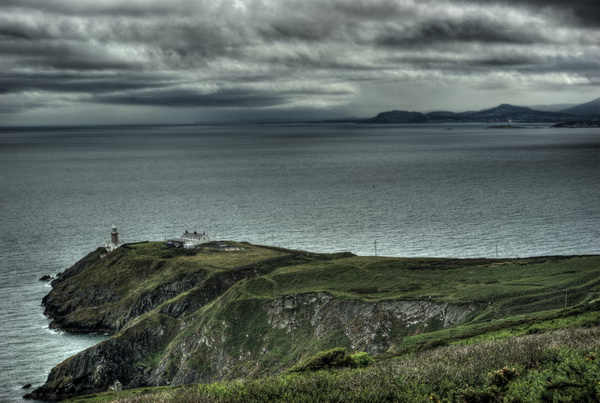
[
  {"x": 552, "y": 108},
  {"x": 398, "y": 117},
  {"x": 504, "y": 113},
  {"x": 589, "y": 109},
  {"x": 511, "y": 113}
]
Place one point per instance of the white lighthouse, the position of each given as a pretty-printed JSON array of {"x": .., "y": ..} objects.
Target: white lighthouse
[
  {"x": 114, "y": 235},
  {"x": 114, "y": 242}
]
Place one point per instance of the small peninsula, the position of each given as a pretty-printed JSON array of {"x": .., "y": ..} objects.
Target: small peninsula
[{"x": 231, "y": 310}]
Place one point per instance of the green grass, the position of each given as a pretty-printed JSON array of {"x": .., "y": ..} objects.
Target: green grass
[
  {"x": 509, "y": 287},
  {"x": 239, "y": 314},
  {"x": 513, "y": 301},
  {"x": 556, "y": 366},
  {"x": 581, "y": 316},
  {"x": 133, "y": 272}
]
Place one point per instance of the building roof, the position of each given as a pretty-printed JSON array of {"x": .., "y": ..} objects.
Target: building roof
[
  {"x": 180, "y": 240},
  {"x": 192, "y": 235}
]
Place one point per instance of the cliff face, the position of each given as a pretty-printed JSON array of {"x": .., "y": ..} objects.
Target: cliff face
[
  {"x": 274, "y": 334},
  {"x": 98, "y": 367},
  {"x": 83, "y": 300},
  {"x": 180, "y": 317},
  {"x": 368, "y": 326},
  {"x": 158, "y": 350}
]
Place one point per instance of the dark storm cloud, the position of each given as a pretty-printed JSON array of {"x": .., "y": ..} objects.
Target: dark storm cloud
[
  {"x": 220, "y": 97},
  {"x": 285, "y": 53},
  {"x": 92, "y": 83},
  {"x": 584, "y": 12},
  {"x": 442, "y": 31},
  {"x": 190, "y": 98},
  {"x": 13, "y": 32},
  {"x": 131, "y": 8}
]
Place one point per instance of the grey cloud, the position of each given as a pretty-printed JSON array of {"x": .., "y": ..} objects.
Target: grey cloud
[
  {"x": 584, "y": 12},
  {"x": 156, "y": 52},
  {"x": 305, "y": 30},
  {"x": 506, "y": 61},
  {"x": 481, "y": 31},
  {"x": 67, "y": 55},
  {"x": 227, "y": 97},
  {"x": 135, "y": 9},
  {"x": 76, "y": 83},
  {"x": 12, "y": 32},
  {"x": 189, "y": 98},
  {"x": 377, "y": 10}
]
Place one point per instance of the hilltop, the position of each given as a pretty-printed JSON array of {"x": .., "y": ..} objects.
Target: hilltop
[
  {"x": 589, "y": 109},
  {"x": 179, "y": 317}
]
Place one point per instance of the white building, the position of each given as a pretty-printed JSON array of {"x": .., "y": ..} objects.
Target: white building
[
  {"x": 114, "y": 242},
  {"x": 189, "y": 240}
]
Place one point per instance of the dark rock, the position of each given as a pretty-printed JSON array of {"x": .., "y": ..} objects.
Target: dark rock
[
  {"x": 46, "y": 277},
  {"x": 26, "y": 386}
]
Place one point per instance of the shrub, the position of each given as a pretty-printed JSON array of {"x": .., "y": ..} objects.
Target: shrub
[
  {"x": 502, "y": 376},
  {"x": 361, "y": 359},
  {"x": 329, "y": 359}
]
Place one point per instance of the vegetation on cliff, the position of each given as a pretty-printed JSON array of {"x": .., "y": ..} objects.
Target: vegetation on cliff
[
  {"x": 208, "y": 315},
  {"x": 555, "y": 366}
]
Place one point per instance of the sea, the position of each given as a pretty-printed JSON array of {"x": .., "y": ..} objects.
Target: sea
[{"x": 396, "y": 190}]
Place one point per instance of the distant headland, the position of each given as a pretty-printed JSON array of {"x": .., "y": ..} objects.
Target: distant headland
[{"x": 505, "y": 113}]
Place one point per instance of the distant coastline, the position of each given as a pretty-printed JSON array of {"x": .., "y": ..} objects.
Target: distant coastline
[
  {"x": 579, "y": 124},
  {"x": 509, "y": 126},
  {"x": 501, "y": 114}
]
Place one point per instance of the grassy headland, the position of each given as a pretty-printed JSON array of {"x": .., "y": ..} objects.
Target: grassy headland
[{"x": 438, "y": 329}]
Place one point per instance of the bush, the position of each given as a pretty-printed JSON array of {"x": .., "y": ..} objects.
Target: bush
[
  {"x": 361, "y": 359},
  {"x": 502, "y": 377},
  {"x": 329, "y": 359}
]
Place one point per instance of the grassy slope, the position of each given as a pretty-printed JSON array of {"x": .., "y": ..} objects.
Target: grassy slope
[
  {"x": 557, "y": 365},
  {"x": 133, "y": 271},
  {"x": 514, "y": 297},
  {"x": 503, "y": 287},
  {"x": 138, "y": 268}
]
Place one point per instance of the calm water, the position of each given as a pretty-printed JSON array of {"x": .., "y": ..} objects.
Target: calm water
[{"x": 412, "y": 190}]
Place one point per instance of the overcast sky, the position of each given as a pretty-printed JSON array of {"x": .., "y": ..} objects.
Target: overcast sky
[{"x": 182, "y": 61}]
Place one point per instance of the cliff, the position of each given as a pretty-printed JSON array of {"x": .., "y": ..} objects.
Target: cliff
[{"x": 179, "y": 316}]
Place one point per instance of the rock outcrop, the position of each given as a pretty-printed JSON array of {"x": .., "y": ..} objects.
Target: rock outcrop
[
  {"x": 208, "y": 355},
  {"x": 115, "y": 359},
  {"x": 369, "y": 326},
  {"x": 100, "y": 305}
]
